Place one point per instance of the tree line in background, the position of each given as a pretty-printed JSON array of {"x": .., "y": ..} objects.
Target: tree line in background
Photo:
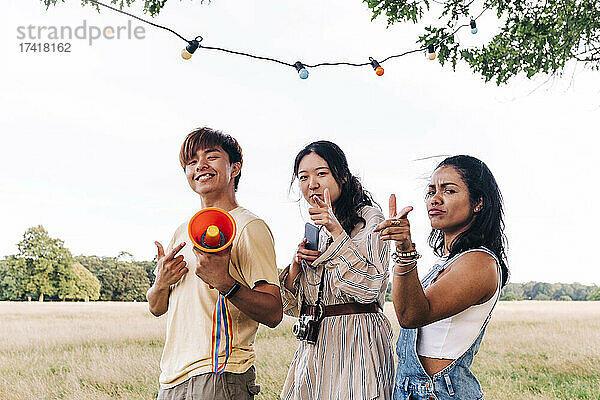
[
  {"x": 550, "y": 291},
  {"x": 43, "y": 269},
  {"x": 541, "y": 291}
]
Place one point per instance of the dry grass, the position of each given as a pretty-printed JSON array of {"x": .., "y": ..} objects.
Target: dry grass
[
  {"x": 542, "y": 350},
  {"x": 92, "y": 351}
]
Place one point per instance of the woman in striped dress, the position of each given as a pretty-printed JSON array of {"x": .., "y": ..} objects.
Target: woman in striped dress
[{"x": 341, "y": 285}]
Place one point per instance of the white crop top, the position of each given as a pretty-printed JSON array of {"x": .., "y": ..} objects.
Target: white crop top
[{"x": 451, "y": 337}]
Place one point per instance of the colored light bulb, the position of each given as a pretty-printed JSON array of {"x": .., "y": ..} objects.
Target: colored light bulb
[
  {"x": 302, "y": 71},
  {"x": 186, "y": 53},
  {"x": 431, "y": 52},
  {"x": 473, "y": 26},
  {"x": 378, "y": 68}
]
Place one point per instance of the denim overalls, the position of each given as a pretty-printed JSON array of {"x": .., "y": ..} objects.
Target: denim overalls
[{"x": 456, "y": 381}]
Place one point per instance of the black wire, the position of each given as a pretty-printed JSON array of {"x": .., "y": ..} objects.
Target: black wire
[
  {"x": 329, "y": 64},
  {"x": 324, "y": 64},
  {"x": 401, "y": 55},
  {"x": 248, "y": 55},
  {"x": 138, "y": 18}
]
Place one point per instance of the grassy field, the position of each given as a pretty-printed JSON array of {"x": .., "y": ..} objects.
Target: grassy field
[{"x": 92, "y": 351}]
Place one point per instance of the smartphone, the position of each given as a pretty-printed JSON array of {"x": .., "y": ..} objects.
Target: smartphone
[{"x": 311, "y": 233}]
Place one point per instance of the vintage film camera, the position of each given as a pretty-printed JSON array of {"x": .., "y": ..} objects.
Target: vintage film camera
[{"x": 307, "y": 326}]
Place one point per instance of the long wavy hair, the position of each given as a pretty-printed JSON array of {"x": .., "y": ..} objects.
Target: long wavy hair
[
  {"x": 352, "y": 195},
  {"x": 487, "y": 227}
]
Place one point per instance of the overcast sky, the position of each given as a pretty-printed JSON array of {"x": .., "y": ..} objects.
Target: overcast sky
[{"x": 90, "y": 138}]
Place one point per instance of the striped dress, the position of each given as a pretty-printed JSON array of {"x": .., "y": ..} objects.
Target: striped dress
[{"x": 352, "y": 359}]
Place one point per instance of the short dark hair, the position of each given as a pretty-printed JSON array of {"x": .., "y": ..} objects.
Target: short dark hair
[
  {"x": 487, "y": 228},
  {"x": 205, "y": 137},
  {"x": 352, "y": 195}
]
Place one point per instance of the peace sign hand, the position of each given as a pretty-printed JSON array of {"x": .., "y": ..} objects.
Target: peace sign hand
[
  {"x": 323, "y": 214},
  {"x": 397, "y": 227}
]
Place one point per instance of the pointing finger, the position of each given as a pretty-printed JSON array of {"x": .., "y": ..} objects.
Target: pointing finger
[
  {"x": 182, "y": 271},
  {"x": 392, "y": 205},
  {"x": 320, "y": 203},
  {"x": 161, "y": 251},
  {"x": 327, "y": 197},
  {"x": 382, "y": 225},
  {"x": 404, "y": 212},
  {"x": 171, "y": 255},
  {"x": 317, "y": 210}
]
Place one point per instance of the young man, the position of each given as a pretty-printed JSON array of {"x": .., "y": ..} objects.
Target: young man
[{"x": 188, "y": 283}]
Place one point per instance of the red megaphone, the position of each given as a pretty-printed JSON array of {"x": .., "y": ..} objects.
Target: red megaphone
[{"x": 212, "y": 229}]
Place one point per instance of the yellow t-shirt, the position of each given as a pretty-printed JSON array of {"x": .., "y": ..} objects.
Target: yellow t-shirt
[{"x": 191, "y": 303}]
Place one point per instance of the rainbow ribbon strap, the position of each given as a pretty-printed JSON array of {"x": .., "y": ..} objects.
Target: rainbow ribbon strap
[{"x": 221, "y": 321}]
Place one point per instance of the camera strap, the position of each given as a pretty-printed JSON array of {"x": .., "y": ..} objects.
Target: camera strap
[
  {"x": 320, "y": 295},
  {"x": 318, "y": 309},
  {"x": 320, "y": 305}
]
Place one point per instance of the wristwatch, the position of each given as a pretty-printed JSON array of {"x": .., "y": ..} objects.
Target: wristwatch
[{"x": 234, "y": 289}]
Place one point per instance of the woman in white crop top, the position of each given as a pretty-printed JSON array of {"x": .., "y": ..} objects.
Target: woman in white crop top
[{"x": 451, "y": 306}]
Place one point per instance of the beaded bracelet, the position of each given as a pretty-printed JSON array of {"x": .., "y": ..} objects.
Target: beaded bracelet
[
  {"x": 406, "y": 272},
  {"x": 400, "y": 257},
  {"x": 411, "y": 253},
  {"x": 405, "y": 263}
]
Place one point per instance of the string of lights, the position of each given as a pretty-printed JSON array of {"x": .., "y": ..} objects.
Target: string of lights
[{"x": 301, "y": 68}]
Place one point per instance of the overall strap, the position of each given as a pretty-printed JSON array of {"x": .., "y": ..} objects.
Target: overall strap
[
  {"x": 437, "y": 269},
  {"x": 444, "y": 372},
  {"x": 432, "y": 274},
  {"x": 498, "y": 286}
]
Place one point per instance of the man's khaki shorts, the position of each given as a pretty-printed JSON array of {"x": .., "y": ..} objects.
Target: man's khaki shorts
[{"x": 226, "y": 386}]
